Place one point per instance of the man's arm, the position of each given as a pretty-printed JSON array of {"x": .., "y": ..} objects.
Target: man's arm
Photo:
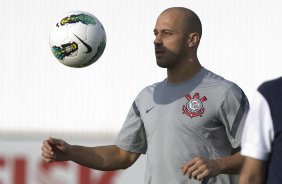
[
  {"x": 253, "y": 171},
  {"x": 101, "y": 158},
  {"x": 231, "y": 164},
  {"x": 200, "y": 168}
]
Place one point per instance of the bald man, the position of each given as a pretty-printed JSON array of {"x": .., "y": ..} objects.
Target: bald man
[{"x": 188, "y": 125}]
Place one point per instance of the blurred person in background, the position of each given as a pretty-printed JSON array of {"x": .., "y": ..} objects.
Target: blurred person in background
[{"x": 262, "y": 136}]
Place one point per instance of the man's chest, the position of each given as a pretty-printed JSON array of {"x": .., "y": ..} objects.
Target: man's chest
[{"x": 194, "y": 109}]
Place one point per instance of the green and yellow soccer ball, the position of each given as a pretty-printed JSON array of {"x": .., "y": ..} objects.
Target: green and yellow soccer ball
[{"x": 77, "y": 39}]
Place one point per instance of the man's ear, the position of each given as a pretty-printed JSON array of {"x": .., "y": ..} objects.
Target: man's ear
[{"x": 193, "y": 39}]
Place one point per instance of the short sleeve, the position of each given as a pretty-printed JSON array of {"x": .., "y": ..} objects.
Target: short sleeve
[
  {"x": 232, "y": 113},
  {"x": 132, "y": 136},
  {"x": 258, "y": 132}
]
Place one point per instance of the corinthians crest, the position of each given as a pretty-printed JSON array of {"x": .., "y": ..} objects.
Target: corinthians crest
[{"x": 194, "y": 107}]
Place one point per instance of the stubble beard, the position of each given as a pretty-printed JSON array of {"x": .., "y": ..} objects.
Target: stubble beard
[{"x": 168, "y": 63}]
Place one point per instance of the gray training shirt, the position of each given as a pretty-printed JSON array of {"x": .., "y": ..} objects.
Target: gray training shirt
[{"x": 173, "y": 123}]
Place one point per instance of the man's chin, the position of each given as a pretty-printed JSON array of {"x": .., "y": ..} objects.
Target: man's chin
[{"x": 161, "y": 64}]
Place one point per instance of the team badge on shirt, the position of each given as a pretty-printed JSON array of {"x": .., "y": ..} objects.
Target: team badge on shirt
[{"x": 194, "y": 107}]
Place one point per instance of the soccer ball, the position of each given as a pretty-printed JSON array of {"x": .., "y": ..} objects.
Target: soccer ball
[{"x": 77, "y": 39}]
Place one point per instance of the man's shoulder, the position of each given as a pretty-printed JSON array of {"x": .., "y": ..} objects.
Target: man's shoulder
[
  {"x": 152, "y": 86},
  {"x": 271, "y": 84},
  {"x": 220, "y": 81},
  {"x": 271, "y": 88},
  {"x": 148, "y": 90}
]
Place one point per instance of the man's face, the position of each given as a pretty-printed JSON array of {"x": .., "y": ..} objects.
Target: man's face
[{"x": 171, "y": 39}]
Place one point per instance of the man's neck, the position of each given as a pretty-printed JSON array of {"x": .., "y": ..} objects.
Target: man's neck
[{"x": 183, "y": 73}]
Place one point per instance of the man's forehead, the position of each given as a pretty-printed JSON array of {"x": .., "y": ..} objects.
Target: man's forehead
[
  {"x": 172, "y": 16},
  {"x": 168, "y": 21}
]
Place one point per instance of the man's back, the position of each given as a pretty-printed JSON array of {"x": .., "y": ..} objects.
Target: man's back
[{"x": 272, "y": 92}]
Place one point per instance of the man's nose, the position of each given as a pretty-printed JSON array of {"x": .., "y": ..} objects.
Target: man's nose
[{"x": 158, "y": 40}]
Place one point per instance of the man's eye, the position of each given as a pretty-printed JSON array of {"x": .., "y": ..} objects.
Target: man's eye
[{"x": 167, "y": 33}]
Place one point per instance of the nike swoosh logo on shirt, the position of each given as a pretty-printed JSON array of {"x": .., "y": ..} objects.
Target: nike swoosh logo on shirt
[
  {"x": 89, "y": 49},
  {"x": 148, "y": 110}
]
